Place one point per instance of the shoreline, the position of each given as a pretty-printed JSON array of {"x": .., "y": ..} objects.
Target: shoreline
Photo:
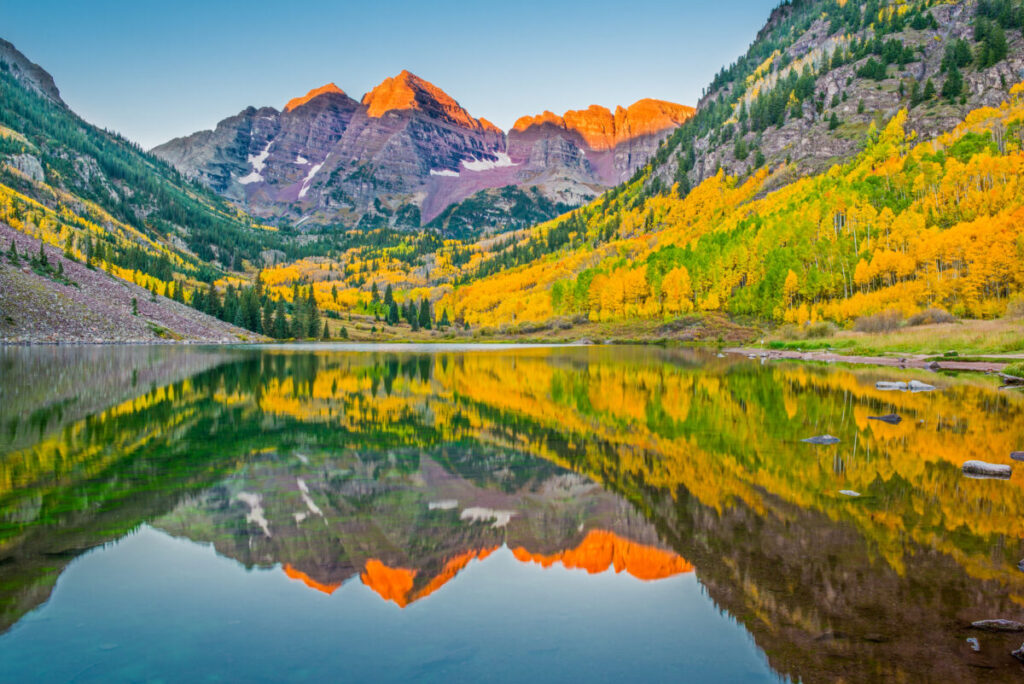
[{"x": 919, "y": 361}]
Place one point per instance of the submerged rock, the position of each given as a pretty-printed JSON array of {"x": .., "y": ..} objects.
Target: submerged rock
[
  {"x": 998, "y": 625},
  {"x": 823, "y": 440},
  {"x": 983, "y": 469},
  {"x": 848, "y": 492},
  {"x": 890, "y": 418},
  {"x": 973, "y": 641},
  {"x": 918, "y": 386}
]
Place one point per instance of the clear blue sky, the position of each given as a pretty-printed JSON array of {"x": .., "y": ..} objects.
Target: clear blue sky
[{"x": 155, "y": 69}]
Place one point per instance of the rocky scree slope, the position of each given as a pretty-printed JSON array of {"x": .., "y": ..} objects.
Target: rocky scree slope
[{"x": 90, "y": 306}]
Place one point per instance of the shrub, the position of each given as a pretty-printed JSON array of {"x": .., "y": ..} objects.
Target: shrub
[
  {"x": 931, "y": 316},
  {"x": 820, "y": 329},
  {"x": 885, "y": 321},
  {"x": 789, "y": 331},
  {"x": 1015, "y": 369},
  {"x": 1015, "y": 309}
]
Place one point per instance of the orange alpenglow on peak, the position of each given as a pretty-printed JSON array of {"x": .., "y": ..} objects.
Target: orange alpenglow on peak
[
  {"x": 602, "y": 130},
  {"x": 295, "y": 574},
  {"x": 598, "y": 552},
  {"x": 408, "y": 91},
  {"x": 316, "y": 92},
  {"x": 488, "y": 126},
  {"x": 601, "y": 550},
  {"x": 395, "y": 584}
]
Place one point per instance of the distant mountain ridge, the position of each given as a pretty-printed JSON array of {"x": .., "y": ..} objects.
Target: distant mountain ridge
[{"x": 407, "y": 151}]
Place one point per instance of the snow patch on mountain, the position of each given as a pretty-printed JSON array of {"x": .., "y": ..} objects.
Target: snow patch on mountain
[
  {"x": 309, "y": 178},
  {"x": 503, "y": 160},
  {"x": 257, "y": 161}
]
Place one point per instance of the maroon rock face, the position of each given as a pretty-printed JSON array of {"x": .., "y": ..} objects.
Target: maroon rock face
[{"x": 327, "y": 158}]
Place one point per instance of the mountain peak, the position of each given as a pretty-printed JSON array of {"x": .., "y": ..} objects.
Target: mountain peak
[
  {"x": 312, "y": 94},
  {"x": 407, "y": 91},
  {"x": 603, "y": 130},
  {"x": 29, "y": 74}
]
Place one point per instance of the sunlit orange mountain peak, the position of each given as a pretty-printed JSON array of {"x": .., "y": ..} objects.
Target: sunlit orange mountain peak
[
  {"x": 296, "y": 574},
  {"x": 393, "y": 584},
  {"x": 601, "y": 550},
  {"x": 598, "y": 552},
  {"x": 408, "y": 91},
  {"x": 396, "y": 584},
  {"x": 603, "y": 130},
  {"x": 312, "y": 94}
]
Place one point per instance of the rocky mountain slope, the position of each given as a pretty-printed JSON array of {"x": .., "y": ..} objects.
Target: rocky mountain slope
[
  {"x": 51, "y": 156},
  {"x": 78, "y": 304},
  {"x": 820, "y": 73},
  {"x": 126, "y": 221},
  {"x": 407, "y": 151}
]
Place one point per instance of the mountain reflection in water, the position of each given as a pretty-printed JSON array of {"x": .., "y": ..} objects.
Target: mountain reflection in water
[{"x": 404, "y": 470}]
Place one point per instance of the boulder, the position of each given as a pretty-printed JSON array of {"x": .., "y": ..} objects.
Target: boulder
[
  {"x": 824, "y": 440},
  {"x": 998, "y": 625},
  {"x": 918, "y": 386},
  {"x": 983, "y": 469},
  {"x": 890, "y": 418}
]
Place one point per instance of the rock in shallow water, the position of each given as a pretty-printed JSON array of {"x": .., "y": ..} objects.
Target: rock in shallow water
[
  {"x": 1017, "y": 455},
  {"x": 998, "y": 625},
  {"x": 823, "y": 440},
  {"x": 912, "y": 386},
  {"x": 891, "y": 419},
  {"x": 848, "y": 492},
  {"x": 983, "y": 469}
]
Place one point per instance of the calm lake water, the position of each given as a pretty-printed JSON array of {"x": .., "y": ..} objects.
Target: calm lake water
[{"x": 544, "y": 514}]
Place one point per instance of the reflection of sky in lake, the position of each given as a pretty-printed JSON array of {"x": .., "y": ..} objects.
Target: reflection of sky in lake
[{"x": 153, "y": 604}]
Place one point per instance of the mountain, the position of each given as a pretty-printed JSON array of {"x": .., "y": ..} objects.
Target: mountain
[
  {"x": 28, "y": 74},
  {"x": 407, "y": 152},
  {"x": 861, "y": 157},
  {"x": 118, "y": 225},
  {"x": 858, "y": 62}
]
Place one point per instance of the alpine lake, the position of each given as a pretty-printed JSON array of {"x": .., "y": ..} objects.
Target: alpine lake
[{"x": 507, "y": 513}]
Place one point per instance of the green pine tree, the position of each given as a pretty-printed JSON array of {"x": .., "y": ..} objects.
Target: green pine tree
[
  {"x": 280, "y": 321},
  {"x": 954, "y": 84},
  {"x": 425, "y": 318}
]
